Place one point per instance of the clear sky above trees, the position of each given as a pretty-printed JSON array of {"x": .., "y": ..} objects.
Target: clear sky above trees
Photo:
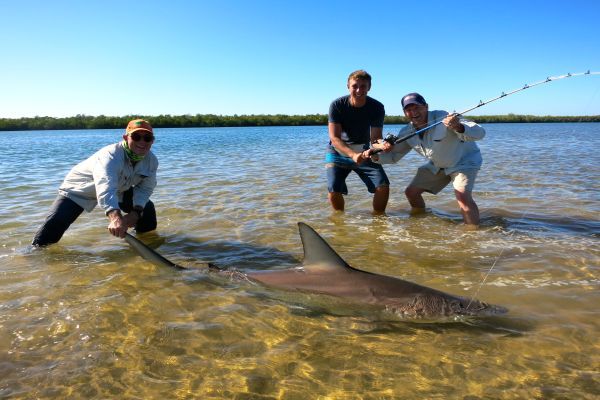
[{"x": 63, "y": 58}]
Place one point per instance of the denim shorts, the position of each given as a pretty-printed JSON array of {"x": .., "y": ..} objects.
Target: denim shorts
[{"x": 371, "y": 174}]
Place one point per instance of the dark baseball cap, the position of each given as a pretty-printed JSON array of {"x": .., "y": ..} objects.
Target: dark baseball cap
[{"x": 413, "y": 98}]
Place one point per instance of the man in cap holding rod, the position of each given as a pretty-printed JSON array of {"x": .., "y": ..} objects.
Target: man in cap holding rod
[
  {"x": 119, "y": 177},
  {"x": 452, "y": 152}
]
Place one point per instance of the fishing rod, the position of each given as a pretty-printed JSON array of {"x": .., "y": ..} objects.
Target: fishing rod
[
  {"x": 549, "y": 79},
  {"x": 395, "y": 140}
]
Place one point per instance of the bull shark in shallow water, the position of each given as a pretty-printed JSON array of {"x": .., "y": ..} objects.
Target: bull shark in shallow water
[{"x": 324, "y": 272}]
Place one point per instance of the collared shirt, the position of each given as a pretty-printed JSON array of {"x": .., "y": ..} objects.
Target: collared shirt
[
  {"x": 106, "y": 175},
  {"x": 446, "y": 149}
]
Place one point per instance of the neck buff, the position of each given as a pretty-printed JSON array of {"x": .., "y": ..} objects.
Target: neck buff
[{"x": 132, "y": 156}]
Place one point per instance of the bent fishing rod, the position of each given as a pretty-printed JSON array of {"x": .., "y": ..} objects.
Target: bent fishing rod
[{"x": 395, "y": 140}]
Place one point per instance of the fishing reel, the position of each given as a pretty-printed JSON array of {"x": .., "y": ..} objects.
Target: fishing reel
[{"x": 390, "y": 138}]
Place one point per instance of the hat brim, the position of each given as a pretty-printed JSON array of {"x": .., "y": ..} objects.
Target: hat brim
[
  {"x": 413, "y": 102},
  {"x": 139, "y": 129}
]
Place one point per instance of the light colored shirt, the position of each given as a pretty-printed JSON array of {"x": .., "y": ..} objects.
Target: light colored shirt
[
  {"x": 106, "y": 175},
  {"x": 443, "y": 147}
]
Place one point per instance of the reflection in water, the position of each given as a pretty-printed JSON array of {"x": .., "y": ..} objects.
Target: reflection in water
[{"x": 88, "y": 318}]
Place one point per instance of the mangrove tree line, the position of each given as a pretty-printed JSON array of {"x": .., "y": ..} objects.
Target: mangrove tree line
[{"x": 211, "y": 120}]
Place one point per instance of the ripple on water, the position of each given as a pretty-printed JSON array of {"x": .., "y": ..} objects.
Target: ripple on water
[{"x": 88, "y": 316}]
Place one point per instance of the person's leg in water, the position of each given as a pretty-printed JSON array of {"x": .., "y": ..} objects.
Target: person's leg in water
[{"x": 63, "y": 213}]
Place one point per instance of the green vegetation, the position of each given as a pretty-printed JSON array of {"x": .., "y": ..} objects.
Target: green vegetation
[
  {"x": 509, "y": 118},
  {"x": 211, "y": 120}
]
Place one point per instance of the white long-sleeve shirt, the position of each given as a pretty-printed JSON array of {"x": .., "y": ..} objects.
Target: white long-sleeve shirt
[
  {"x": 106, "y": 175},
  {"x": 443, "y": 147}
]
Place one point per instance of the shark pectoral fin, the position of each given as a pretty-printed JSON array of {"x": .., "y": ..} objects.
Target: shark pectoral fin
[
  {"x": 148, "y": 254},
  {"x": 318, "y": 254}
]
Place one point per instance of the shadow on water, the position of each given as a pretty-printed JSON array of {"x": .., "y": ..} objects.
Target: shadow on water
[
  {"x": 224, "y": 254},
  {"x": 186, "y": 251},
  {"x": 528, "y": 222},
  {"x": 196, "y": 256},
  {"x": 503, "y": 326},
  {"x": 543, "y": 224},
  {"x": 369, "y": 320}
]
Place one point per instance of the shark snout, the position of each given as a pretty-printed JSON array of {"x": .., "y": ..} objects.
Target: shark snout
[{"x": 476, "y": 307}]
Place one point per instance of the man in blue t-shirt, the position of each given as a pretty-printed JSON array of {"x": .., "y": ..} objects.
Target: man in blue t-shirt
[{"x": 355, "y": 121}]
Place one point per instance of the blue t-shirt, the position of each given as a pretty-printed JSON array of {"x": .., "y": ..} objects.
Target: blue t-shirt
[{"x": 356, "y": 121}]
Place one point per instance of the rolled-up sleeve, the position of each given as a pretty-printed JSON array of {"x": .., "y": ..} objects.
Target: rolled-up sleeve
[
  {"x": 396, "y": 154},
  {"x": 472, "y": 132}
]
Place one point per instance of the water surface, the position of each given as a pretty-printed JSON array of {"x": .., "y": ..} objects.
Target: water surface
[{"x": 88, "y": 318}]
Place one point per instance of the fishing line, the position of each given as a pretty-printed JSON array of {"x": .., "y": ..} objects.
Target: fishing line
[
  {"x": 396, "y": 140},
  {"x": 493, "y": 265},
  {"x": 549, "y": 79}
]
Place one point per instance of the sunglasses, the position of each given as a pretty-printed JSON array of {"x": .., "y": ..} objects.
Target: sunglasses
[{"x": 136, "y": 137}]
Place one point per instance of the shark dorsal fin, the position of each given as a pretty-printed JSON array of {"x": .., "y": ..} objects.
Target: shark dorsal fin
[{"x": 317, "y": 252}]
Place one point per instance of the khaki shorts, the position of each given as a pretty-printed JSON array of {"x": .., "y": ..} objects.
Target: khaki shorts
[{"x": 462, "y": 181}]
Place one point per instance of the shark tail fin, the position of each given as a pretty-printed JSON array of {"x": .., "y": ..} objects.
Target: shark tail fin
[
  {"x": 317, "y": 251},
  {"x": 148, "y": 254}
]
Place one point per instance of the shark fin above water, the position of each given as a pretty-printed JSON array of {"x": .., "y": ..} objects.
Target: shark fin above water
[{"x": 317, "y": 252}]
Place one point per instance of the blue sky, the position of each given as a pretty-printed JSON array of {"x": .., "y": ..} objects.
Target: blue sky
[{"x": 62, "y": 58}]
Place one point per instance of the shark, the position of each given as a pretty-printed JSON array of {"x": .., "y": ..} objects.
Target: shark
[{"x": 324, "y": 272}]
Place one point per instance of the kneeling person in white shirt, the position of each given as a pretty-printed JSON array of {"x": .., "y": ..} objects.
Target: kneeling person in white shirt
[{"x": 119, "y": 177}]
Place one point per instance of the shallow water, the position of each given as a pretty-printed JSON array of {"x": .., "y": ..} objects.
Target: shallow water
[{"x": 88, "y": 318}]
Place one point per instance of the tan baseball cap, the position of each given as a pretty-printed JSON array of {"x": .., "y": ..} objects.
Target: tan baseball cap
[{"x": 138, "y": 125}]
